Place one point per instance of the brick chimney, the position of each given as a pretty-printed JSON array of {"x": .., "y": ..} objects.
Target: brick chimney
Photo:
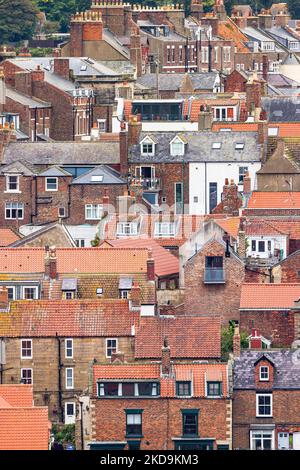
[
  {"x": 253, "y": 93},
  {"x": 7, "y": 135},
  {"x": 166, "y": 358},
  {"x": 265, "y": 70},
  {"x": 38, "y": 75},
  {"x": 205, "y": 119},
  {"x": 247, "y": 183},
  {"x": 219, "y": 10},
  {"x": 23, "y": 82},
  {"x": 86, "y": 26},
  {"x": 62, "y": 67},
  {"x": 150, "y": 267},
  {"x": 123, "y": 152},
  {"x": 236, "y": 342},
  {"x": 196, "y": 9},
  {"x": 242, "y": 239},
  {"x": 50, "y": 262},
  {"x": 136, "y": 50},
  {"x": 2, "y": 90},
  {"x": 134, "y": 130},
  {"x": 135, "y": 295},
  {"x": 4, "y": 303},
  {"x": 255, "y": 339}
]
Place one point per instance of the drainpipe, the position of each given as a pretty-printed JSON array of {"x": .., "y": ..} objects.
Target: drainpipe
[
  {"x": 59, "y": 364},
  {"x": 205, "y": 188}
]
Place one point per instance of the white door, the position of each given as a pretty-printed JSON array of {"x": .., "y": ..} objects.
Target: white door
[
  {"x": 283, "y": 441},
  {"x": 70, "y": 412},
  {"x": 296, "y": 441}
]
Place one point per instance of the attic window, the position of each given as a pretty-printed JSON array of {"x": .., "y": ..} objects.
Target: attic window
[
  {"x": 273, "y": 131},
  {"x": 177, "y": 147},
  {"x": 239, "y": 146},
  {"x": 147, "y": 147},
  {"x": 216, "y": 145},
  {"x": 98, "y": 178}
]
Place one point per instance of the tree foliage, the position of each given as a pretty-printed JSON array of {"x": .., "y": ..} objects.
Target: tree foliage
[
  {"x": 227, "y": 340},
  {"x": 62, "y": 10},
  {"x": 17, "y": 20}
]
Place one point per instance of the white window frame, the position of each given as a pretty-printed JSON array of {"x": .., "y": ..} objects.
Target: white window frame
[
  {"x": 68, "y": 348},
  {"x": 69, "y": 387},
  {"x": 121, "y": 229},
  {"x": 56, "y": 183},
  {"x": 176, "y": 141},
  {"x": 106, "y": 346},
  {"x": 147, "y": 141},
  {"x": 20, "y": 206},
  {"x": 163, "y": 229},
  {"x": 14, "y": 291},
  {"x": 262, "y": 431},
  {"x": 35, "y": 288},
  {"x": 101, "y": 124},
  {"x": 124, "y": 294},
  {"x": 257, "y": 405},
  {"x": 80, "y": 242},
  {"x": 264, "y": 379},
  {"x": 64, "y": 212},
  {"x": 27, "y": 368},
  {"x": 21, "y": 349},
  {"x": 95, "y": 209},
  {"x": 7, "y": 184}
]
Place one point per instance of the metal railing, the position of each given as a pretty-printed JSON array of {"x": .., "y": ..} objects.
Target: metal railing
[{"x": 214, "y": 276}]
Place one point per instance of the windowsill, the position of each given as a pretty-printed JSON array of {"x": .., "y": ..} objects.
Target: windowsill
[
  {"x": 12, "y": 192},
  {"x": 190, "y": 436},
  {"x": 264, "y": 416},
  {"x": 214, "y": 396},
  {"x": 134, "y": 436},
  {"x": 51, "y": 190}
]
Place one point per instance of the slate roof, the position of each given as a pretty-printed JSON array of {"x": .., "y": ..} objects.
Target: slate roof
[
  {"x": 108, "y": 175},
  {"x": 81, "y": 318},
  {"x": 58, "y": 153},
  {"x": 287, "y": 370},
  {"x": 26, "y": 100},
  {"x": 54, "y": 171},
  {"x": 173, "y": 81},
  {"x": 285, "y": 109},
  {"x": 269, "y": 296},
  {"x": 189, "y": 337},
  {"x": 22, "y": 167},
  {"x": 199, "y": 147}
]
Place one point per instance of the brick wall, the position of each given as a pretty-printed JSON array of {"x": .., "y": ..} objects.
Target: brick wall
[
  {"x": 49, "y": 202},
  {"x": 276, "y": 325},
  {"x": 213, "y": 299},
  {"x": 161, "y": 420},
  {"x": 290, "y": 268},
  {"x": 26, "y": 196},
  {"x": 286, "y": 414}
]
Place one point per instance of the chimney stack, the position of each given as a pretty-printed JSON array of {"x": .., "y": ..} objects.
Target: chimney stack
[
  {"x": 50, "y": 262},
  {"x": 166, "y": 358},
  {"x": 123, "y": 152},
  {"x": 135, "y": 296},
  {"x": 150, "y": 267},
  {"x": 205, "y": 119},
  {"x": 2, "y": 90},
  {"x": 4, "y": 303},
  {"x": 265, "y": 67},
  {"x": 134, "y": 130},
  {"x": 62, "y": 67},
  {"x": 247, "y": 183},
  {"x": 255, "y": 339},
  {"x": 236, "y": 342}
]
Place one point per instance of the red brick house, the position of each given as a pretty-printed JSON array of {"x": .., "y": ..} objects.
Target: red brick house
[
  {"x": 213, "y": 279},
  {"x": 266, "y": 394},
  {"x": 164, "y": 405},
  {"x": 271, "y": 308}
]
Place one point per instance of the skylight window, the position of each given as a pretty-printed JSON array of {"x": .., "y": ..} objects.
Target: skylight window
[
  {"x": 239, "y": 146},
  {"x": 97, "y": 178},
  {"x": 83, "y": 68},
  {"x": 216, "y": 145}
]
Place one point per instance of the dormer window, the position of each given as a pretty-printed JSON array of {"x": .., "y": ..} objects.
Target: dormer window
[
  {"x": 183, "y": 388},
  {"x": 127, "y": 228},
  {"x": 214, "y": 389},
  {"x": 264, "y": 373},
  {"x": 147, "y": 146},
  {"x": 164, "y": 229},
  {"x": 177, "y": 146}
]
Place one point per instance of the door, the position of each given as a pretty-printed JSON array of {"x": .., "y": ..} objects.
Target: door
[
  {"x": 296, "y": 441},
  {"x": 69, "y": 413},
  {"x": 283, "y": 440}
]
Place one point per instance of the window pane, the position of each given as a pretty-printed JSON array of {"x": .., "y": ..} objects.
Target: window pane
[
  {"x": 128, "y": 389},
  {"x": 190, "y": 423}
]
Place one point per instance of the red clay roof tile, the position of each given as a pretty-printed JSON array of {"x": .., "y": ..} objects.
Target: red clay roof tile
[{"x": 269, "y": 296}]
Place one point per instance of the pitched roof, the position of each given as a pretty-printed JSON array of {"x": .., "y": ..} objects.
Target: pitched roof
[
  {"x": 101, "y": 174},
  {"x": 286, "y": 129},
  {"x": 8, "y": 236},
  {"x": 235, "y": 126},
  {"x": 189, "y": 337},
  {"x": 22, "y": 426},
  {"x": 269, "y": 296},
  {"x": 18, "y": 396},
  {"x": 75, "y": 260},
  {"x": 229, "y": 225},
  {"x": 274, "y": 200},
  {"x": 174, "y": 81},
  {"x": 54, "y": 170},
  {"x": 196, "y": 373},
  {"x": 262, "y": 227},
  {"x": 87, "y": 318},
  {"x": 286, "y": 364},
  {"x": 164, "y": 262}
]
